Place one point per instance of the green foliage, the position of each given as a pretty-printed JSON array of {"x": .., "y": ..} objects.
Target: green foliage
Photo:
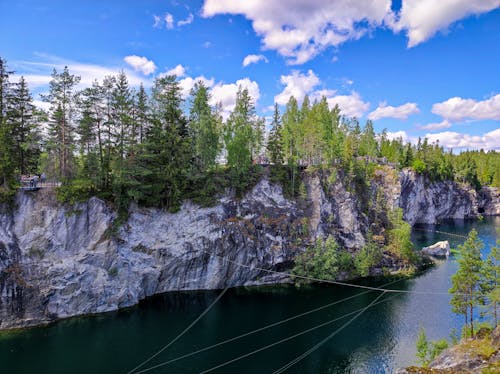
[
  {"x": 325, "y": 260},
  {"x": 419, "y": 166},
  {"x": 399, "y": 237},
  {"x": 77, "y": 190},
  {"x": 428, "y": 351},
  {"x": 466, "y": 282},
  {"x": 370, "y": 255}
]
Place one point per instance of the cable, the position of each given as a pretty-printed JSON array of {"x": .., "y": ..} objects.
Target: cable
[
  {"x": 259, "y": 330},
  {"x": 315, "y": 347},
  {"x": 291, "y": 337},
  {"x": 326, "y": 280},
  {"x": 182, "y": 333},
  {"x": 441, "y": 232}
]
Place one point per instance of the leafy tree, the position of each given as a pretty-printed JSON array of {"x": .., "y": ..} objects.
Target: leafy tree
[
  {"x": 466, "y": 282},
  {"x": 428, "y": 351},
  {"x": 399, "y": 237}
]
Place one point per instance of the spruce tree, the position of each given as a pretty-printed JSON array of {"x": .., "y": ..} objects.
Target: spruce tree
[
  {"x": 275, "y": 141},
  {"x": 466, "y": 282},
  {"x": 205, "y": 131},
  {"x": 21, "y": 119}
]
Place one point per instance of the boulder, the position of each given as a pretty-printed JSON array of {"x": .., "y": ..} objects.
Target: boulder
[{"x": 439, "y": 249}]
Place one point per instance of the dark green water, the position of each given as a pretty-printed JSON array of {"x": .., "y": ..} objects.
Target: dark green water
[{"x": 380, "y": 340}]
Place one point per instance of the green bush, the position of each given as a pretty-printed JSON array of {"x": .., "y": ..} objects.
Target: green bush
[
  {"x": 369, "y": 256},
  {"x": 325, "y": 260},
  {"x": 76, "y": 191}
]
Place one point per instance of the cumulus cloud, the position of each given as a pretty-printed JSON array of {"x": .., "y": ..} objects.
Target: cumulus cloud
[
  {"x": 188, "y": 83},
  {"x": 186, "y": 21},
  {"x": 350, "y": 105},
  {"x": 178, "y": 71},
  {"x": 301, "y": 29},
  {"x": 253, "y": 59},
  {"x": 458, "y": 109},
  {"x": 421, "y": 19},
  {"x": 455, "y": 140},
  {"x": 297, "y": 85},
  {"x": 141, "y": 64},
  {"x": 225, "y": 94},
  {"x": 398, "y": 112},
  {"x": 436, "y": 126},
  {"x": 400, "y": 135}
]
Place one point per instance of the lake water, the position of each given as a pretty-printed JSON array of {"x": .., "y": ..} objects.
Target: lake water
[{"x": 378, "y": 341}]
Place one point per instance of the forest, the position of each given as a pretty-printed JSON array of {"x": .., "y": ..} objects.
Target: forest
[{"x": 157, "y": 148}]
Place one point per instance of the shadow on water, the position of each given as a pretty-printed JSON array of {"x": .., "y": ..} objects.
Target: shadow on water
[{"x": 380, "y": 340}]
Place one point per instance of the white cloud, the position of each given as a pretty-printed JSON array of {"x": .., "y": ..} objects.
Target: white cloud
[
  {"x": 436, "y": 126},
  {"x": 300, "y": 29},
  {"x": 141, "y": 64},
  {"x": 350, "y": 105},
  {"x": 253, "y": 59},
  {"x": 41, "y": 104},
  {"x": 207, "y": 44},
  {"x": 225, "y": 94},
  {"x": 187, "y": 84},
  {"x": 400, "y": 135},
  {"x": 297, "y": 85},
  {"x": 178, "y": 71},
  {"x": 169, "y": 21},
  {"x": 458, "y": 109},
  {"x": 157, "y": 21},
  {"x": 186, "y": 21},
  {"x": 423, "y": 18},
  {"x": 399, "y": 112},
  {"x": 39, "y": 72},
  {"x": 450, "y": 139}
]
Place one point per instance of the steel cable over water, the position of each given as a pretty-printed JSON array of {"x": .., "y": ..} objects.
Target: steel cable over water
[
  {"x": 181, "y": 334},
  {"x": 277, "y": 323},
  {"x": 315, "y": 347},
  {"x": 293, "y": 336}
]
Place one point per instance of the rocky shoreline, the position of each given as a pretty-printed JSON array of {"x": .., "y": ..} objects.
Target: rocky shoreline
[{"x": 59, "y": 261}]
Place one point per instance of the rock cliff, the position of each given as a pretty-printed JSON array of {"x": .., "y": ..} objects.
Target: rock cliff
[{"x": 58, "y": 261}]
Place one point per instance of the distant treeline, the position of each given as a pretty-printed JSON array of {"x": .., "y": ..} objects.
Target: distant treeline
[{"x": 156, "y": 148}]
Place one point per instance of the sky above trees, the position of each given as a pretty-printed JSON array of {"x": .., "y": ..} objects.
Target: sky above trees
[{"x": 415, "y": 67}]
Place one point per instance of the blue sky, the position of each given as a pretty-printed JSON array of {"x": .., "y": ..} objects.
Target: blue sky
[{"x": 417, "y": 67}]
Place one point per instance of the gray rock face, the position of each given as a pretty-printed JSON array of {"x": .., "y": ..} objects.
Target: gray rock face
[
  {"x": 428, "y": 202},
  {"x": 58, "y": 261},
  {"x": 439, "y": 249}
]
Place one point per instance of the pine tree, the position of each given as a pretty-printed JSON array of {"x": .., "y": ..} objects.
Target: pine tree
[
  {"x": 466, "y": 282},
  {"x": 7, "y": 166},
  {"x": 242, "y": 133},
  {"x": 205, "y": 130},
  {"x": 61, "y": 122},
  {"x": 490, "y": 286},
  {"x": 21, "y": 119},
  {"x": 275, "y": 141},
  {"x": 164, "y": 162}
]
